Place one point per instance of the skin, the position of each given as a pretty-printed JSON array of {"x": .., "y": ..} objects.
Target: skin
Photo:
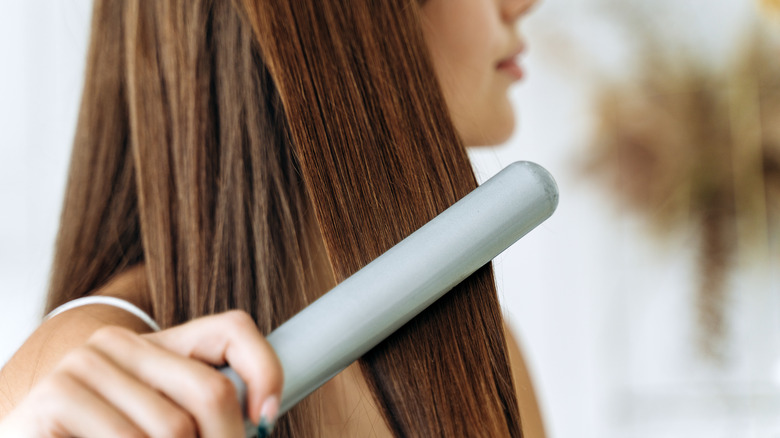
[
  {"x": 467, "y": 39},
  {"x": 86, "y": 372}
]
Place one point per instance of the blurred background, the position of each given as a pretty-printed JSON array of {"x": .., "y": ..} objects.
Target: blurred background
[{"x": 648, "y": 305}]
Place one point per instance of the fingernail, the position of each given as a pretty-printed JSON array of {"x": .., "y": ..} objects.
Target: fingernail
[{"x": 268, "y": 416}]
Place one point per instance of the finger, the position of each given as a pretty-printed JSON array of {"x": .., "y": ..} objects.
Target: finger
[
  {"x": 232, "y": 338},
  {"x": 150, "y": 410},
  {"x": 67, "y": 408},
  {"x": 202, "y": 391}
]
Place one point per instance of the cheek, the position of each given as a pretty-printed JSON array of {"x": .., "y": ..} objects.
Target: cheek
[
  {"x": 466, "y": 41},
  {"x": 466, "y": 46},
  {"x": 481, "y": 108}
]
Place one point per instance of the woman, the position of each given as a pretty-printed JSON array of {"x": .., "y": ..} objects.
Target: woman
[{"x": 249, "y": 155}]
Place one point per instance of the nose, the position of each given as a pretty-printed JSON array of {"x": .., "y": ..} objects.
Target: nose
[{"x": 512, "y": 10}]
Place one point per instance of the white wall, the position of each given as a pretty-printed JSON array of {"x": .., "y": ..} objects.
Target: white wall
[
  {"x": 605, "y": 313},
  {"x": 42, "y": 50}
]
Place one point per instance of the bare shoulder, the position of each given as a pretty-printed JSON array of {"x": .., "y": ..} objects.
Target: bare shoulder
[
  {"x": 533, "y": 426},
  {"x": 70, "y": 329}
]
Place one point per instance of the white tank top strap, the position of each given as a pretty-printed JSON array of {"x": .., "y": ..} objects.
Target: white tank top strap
[{"x": 108, "y": 301}]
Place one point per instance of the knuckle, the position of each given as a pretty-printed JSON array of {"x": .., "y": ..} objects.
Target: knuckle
[
  {"x": 48, "y": 392},
  {"x": 110, "y": 334},
  {"x": 217, "y": 391},
  {"x": 82, "y": 359},
  {"x": 129, "y": 432},
  {"x": 180, "y": 425},
  {"x": 239, "y": 320},
  {"x": 53, "y": 386}
]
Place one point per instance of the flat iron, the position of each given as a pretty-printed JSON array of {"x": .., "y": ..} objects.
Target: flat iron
[{"x": 353, "y": 317}]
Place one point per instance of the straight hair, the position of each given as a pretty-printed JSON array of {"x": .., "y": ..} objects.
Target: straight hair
[{"x": 249, "y": 153}]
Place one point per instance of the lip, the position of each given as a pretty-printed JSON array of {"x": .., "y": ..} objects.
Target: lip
[{"x": 510, "y": 65}]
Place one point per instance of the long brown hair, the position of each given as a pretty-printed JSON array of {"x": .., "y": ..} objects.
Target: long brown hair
[{"x": 231, "y": 145}]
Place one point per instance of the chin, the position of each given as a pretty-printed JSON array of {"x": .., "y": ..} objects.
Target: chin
[{"x": 504, "y": 133}]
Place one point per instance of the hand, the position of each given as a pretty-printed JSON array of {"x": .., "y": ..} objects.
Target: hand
[{"x": 122, "y": 384}]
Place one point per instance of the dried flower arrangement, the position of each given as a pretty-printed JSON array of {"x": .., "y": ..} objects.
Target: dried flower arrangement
[
  {"x": 772, "y": 6},
  {"x": 687, "y": 145}
]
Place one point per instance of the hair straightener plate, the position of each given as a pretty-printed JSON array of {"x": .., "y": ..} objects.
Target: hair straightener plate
[{"x": 353, "y": 317}]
